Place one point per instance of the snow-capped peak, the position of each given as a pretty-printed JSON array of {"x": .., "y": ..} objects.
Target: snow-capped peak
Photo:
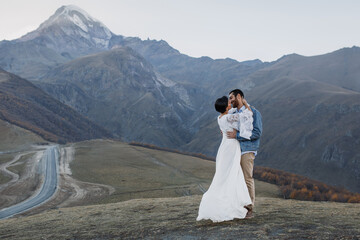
[
  {"x": 67, "y": 9},
  {"x": 74, "y": 14},
  {"x": 73, "y": 21}
]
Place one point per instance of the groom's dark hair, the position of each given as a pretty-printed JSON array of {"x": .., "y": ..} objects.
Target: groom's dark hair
[
  {"x": 235, "y": 92},
  {"x": 221, "y": 104}
]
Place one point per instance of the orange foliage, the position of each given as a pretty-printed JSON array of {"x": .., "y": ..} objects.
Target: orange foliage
[{"x": 298, "y": 187}]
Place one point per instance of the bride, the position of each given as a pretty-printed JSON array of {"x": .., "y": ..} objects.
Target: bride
[{"x": 228, "y": 195}]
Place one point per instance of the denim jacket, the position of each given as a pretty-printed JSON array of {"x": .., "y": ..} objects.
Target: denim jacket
[{"x": 254, "y": 142}]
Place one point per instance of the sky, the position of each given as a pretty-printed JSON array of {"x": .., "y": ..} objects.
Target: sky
[{"x": 238, "y": 29}]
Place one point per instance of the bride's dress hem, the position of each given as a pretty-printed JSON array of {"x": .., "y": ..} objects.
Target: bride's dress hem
[{"x": 220, "y": 220}]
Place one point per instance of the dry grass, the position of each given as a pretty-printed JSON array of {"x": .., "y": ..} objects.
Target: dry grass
[
  {"x": 4, "y": 178},
  {"x": 174, "y": 218},
  {"x": 19, "y": 167},
  {"x": 6, "y": 157},
  {"x": 3, "y": 159},
  {"x": 137, "y": 172},
  {"x": 16, "y": 138}
]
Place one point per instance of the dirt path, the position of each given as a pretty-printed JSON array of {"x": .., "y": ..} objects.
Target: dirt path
[{"x": 79, "y": 191}]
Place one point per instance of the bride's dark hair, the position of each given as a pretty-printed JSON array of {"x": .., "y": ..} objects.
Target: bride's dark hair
[{"x": 221, "y": 104}]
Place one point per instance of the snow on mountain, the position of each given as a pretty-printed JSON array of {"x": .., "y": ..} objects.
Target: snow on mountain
[{"x": 72, "y": 21}]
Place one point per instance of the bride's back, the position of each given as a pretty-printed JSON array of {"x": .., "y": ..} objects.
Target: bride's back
[{"x": 224, "y": 125}]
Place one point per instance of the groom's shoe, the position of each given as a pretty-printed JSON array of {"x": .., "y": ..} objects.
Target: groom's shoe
[{"x": 249, "y": 214}]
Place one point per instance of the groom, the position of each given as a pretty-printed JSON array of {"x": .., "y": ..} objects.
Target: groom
[{"x": 250, "y": 147}]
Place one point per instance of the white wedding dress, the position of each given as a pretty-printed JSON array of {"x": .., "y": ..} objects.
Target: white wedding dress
[{"x": 228, "y": 194}]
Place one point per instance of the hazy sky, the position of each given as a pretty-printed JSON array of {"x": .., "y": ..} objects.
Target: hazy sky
[{"x": 243, "y": 30}]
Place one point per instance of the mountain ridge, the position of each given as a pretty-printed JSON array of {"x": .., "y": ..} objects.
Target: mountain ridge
[{"x": 25, "y": 105}]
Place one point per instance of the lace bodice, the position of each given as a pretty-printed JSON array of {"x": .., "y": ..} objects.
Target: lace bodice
[{"x": 242, "y": 122}]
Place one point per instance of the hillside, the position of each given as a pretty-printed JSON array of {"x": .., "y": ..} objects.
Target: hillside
[
  {"x": 174, "y": 218},
  {"x": 315, "y": 135},
  {"x": 27, "y": 106},
  {"x": 14, "y": 138},
  {"x": 137, "y": 172},
  {"x": 28, "y": 59}
]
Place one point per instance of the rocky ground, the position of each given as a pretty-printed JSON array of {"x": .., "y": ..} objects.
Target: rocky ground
[{"x": 174, "y": 218}]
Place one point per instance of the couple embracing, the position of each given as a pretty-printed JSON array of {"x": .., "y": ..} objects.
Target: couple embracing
[{"x": 232, "y": 191}]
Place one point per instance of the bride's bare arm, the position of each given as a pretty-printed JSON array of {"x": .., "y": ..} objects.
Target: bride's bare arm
[{"x": 246, "y": 104}]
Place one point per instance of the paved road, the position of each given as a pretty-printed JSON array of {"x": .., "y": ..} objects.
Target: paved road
[{"x": 49, "y": 161}]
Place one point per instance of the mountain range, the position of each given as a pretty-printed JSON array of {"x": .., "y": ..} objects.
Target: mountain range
[{"x": 147, "y": 91}]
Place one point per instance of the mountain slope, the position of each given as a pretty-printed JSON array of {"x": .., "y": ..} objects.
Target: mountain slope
[
  {"x": 120, "y": 91},
  {"x": 311, "y": 128},
  {"x": 310, "y": 117},
  {"x": 29, "y": 60},
  {"x": 25, "y": 105},
  {"x": 14, "y": 138}
]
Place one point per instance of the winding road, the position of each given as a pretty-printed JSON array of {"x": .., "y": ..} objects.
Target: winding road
[{"x": 50, "y": 169}]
